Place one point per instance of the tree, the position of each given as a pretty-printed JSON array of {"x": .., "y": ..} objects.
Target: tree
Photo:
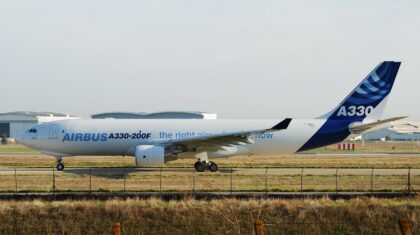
[{"x": 3, "y": 139}]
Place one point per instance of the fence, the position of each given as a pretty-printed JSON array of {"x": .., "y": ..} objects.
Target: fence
[{"x": 227, "y": 180}]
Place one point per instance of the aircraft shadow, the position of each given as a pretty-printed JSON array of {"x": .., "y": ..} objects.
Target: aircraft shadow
[
  {"x": 115, "y": 173},
  {"x": 118, "y": 173}
]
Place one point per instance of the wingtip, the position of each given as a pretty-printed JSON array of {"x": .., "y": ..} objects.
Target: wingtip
[
  {"x": 282, "y": 125},
  {"x": 402, "y": 117},
  {"x": 399, "y": 118}
]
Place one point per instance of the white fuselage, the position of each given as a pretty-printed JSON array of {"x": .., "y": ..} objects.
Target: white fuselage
[{"x": 121, "y": 136}]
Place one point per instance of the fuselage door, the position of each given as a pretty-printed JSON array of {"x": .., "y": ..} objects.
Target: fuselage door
[
  {"x": 53, "y": 131},
  {"x": 32, "y": 133}
]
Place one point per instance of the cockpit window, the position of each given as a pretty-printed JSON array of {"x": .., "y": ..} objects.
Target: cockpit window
[{"x": 32, "y": 130}]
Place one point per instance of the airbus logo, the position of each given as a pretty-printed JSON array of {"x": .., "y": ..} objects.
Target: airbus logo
[{"x": 85, "y": 137}]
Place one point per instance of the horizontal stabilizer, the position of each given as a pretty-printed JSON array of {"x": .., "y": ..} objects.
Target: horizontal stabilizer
[{"x": 360, "y": 129}]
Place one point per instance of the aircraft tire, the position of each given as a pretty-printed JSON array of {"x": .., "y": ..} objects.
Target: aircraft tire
[
  {"x": 199, "y": 166},
  {"x": 213, "y": 167},
  {"x": 60, "y": 166}
]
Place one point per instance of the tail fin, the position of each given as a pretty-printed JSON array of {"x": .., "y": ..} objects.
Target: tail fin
[{"x": 368, "y": 99}]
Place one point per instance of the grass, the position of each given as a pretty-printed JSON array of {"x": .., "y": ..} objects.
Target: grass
[
  {"x": 228, "y": 216},
  {"x": 77, "y": 180},
  {"x": 275, "y": 161},
  {"x": 202, "y": 182},
  {"x": 16, "y": 148},
  {"x": 14, "y": 155},
  {"x": 225, "y": 216}
]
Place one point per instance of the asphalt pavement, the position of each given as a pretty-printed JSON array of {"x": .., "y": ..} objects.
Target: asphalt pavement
[{"x": 243, "y": 171}]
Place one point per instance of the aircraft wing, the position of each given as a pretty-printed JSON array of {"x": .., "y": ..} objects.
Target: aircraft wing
[
  {"x": 362, "y": 128},
  {"x": 229, "y": 139}
]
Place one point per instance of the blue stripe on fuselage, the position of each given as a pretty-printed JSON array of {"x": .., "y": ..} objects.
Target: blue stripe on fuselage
[{"x": 333, "y": 131}]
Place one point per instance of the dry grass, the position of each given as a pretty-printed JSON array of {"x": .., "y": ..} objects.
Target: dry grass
[
  {"x": 314, "y": 161},
  {"x": 186, "y": 182},
  {"x": 19, "y": 156},
  {"x": 280, "y": 161},
  {"x": 31, "y": 160},
  {"x": 220, "y": 181},
  {"x": 189, "y": 216}
]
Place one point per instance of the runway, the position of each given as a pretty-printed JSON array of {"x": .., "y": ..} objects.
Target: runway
[{"x": 243, "y": 171}]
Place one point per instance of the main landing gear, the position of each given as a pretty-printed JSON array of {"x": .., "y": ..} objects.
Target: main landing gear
[
  {"x": 60, "y": 165},
  {"x": 201, "y": 166}
]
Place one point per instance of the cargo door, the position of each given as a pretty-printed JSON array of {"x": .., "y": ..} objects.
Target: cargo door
[{"x": 53, "y": 131}]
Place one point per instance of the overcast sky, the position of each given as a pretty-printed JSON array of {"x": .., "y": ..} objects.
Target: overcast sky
[{"x": 239, "y": 59}]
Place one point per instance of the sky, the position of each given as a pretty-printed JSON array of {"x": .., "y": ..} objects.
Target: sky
[{"x": 239, "y": 59}]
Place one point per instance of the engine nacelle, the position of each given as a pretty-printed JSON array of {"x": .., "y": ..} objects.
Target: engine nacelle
[{"x": 149, "y": 155}]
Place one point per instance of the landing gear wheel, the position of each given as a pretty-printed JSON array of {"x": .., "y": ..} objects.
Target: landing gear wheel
[
  {"x": 60, "y": 166},
  {"x": 213, "y": 167},
  {"x": 199, "y": 166}
]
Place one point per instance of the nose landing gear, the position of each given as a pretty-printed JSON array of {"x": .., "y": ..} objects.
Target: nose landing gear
[
  {"x": 60, "y": 165},
  {"x": 201, "y": 166}
]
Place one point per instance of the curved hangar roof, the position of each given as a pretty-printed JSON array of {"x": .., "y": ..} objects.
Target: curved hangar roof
[
  {"x": 33, "y": 116},
  {"x": 158, "y": 115}
]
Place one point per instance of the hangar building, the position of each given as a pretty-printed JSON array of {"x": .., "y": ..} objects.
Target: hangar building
[
  {"x": 13, "y": 124},
  {"x": 158, "y": 115},
  {"x": 398, "y": 131}
]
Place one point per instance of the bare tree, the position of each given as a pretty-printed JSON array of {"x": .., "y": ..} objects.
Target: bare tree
[{"x": 3, "y": 139}]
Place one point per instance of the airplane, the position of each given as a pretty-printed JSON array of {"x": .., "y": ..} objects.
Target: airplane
[{"x": 153, "y": 142}]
